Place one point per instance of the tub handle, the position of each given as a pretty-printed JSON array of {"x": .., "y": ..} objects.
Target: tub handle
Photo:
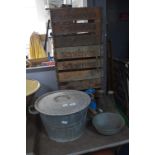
[{"x": 32, "y": 110}]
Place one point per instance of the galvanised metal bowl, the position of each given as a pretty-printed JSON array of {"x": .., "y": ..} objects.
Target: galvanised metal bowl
[{"x": 108, "y": 123}]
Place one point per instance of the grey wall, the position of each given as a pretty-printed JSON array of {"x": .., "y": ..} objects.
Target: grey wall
[
  {"x": 47, "y": 78},
  {"x": 118, "y": 31}
]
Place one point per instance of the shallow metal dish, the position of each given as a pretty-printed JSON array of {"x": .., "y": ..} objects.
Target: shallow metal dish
[{"x": 108, "y": 123}]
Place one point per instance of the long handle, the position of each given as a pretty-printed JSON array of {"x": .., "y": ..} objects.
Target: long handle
[
  {"x": 61, "y": 97},
  {"x": 46, "y": 37}
]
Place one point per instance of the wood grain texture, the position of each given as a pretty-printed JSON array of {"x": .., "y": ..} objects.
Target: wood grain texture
[
  {"x": 78, "y": 75},
  {"x": 77, "y": 52},
  {"x": 76, "y": 37},
  {"x": 82, "y": 84},
  {"x": 71, "y": 28},
  {"x": 70, "y": 14},
  {"x": 78, "y": 64},
  {"x": 76, "y": 40}
]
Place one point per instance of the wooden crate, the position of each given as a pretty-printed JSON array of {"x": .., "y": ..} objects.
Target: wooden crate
[{"x": 77, "y": 41}]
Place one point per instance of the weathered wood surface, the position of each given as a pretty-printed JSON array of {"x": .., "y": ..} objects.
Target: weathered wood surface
[
  {"x": 76, "y": 40},
  {"x": 70, "y": 14},
  {"x": 77, "y": 52},
  {"x": 38, "y": 61},
  {"x": 76, "y": 37},
  {"x": 71, "y": 28},
  {"x": 78, "y": 64},
  {"x": 82, "y": 84},
  {"x": 78, "y": 75}
]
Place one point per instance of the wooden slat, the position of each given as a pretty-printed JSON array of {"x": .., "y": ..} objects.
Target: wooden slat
[
  {"x": 37, "y": 61},
  {"x": 78, "y": 64},
  {"x": 76, "y": 40},
  {"x": 70, "y": 28},
  {"x": 77, "y": 52},
  {"x": 70, "y": 14},
  {"x": 81, "y": 85},
  {"x": 78, "y": 75}
]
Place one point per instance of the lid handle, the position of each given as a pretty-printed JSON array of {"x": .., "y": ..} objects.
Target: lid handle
[{"x": 61, "y": 98}]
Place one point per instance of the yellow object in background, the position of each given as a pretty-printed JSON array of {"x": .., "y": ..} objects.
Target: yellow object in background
[
  {"x": 36, "y": 48},
  {"x": 32, "y": 86}
]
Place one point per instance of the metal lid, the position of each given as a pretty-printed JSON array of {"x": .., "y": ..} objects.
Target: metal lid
[{"x": 62, "y": 102}]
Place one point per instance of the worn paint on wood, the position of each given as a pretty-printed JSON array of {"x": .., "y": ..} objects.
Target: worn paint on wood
[
  {"x": 78, "y": 75},
  {"x": 78, "y": 64},
  {"x": 70, "y": 14},
  {"x": 83, "y": 84},
  {"x": 77, "y": 52},
  {"x": 76, "y": 40},
  {"x": 70, "y": 45},
  {"x": 71, "y": 28}
]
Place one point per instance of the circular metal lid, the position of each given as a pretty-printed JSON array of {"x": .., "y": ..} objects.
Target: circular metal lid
[{"x": 62, "y": 102}]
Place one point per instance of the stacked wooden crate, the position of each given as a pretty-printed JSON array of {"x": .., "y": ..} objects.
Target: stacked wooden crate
[{"x": 77, "y": 42}]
